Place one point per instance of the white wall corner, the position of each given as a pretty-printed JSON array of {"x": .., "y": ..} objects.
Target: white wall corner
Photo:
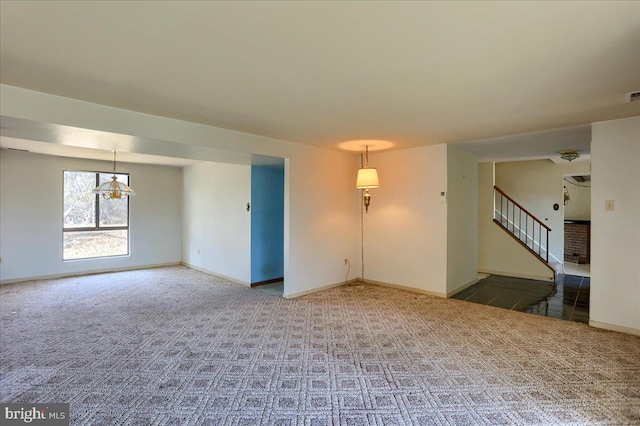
[{"x": 217, "y": 275}]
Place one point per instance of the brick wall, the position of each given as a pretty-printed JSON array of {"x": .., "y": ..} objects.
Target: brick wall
[{"x": 577, "y": 242}]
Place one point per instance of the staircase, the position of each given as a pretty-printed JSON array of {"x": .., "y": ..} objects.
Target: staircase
[{"x": 523, "y": 226}]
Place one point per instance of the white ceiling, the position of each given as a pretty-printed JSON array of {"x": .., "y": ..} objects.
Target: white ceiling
[
  {"x": 545, "y": 144},
  {"x": 321, "y": 73}
]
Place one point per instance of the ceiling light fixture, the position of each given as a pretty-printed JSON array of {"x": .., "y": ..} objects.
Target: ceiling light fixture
[
  {"x": 367, "y": 178},
  {"x": 113, "y": 189},
  {"x": 570, "y": 154}
]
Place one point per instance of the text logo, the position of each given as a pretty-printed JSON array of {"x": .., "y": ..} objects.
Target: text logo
[{"x": 34, "y": 414}]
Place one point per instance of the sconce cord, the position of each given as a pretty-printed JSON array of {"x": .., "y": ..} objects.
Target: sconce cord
[
  {"x": 364, "y": 163},
  {"x": 362, "y": 240}
]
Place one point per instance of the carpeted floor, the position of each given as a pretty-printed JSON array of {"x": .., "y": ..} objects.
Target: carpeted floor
[{"x": 175, "y": 346}]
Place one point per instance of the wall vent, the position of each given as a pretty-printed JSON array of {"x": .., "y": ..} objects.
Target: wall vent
[{"x": 633, "y": 96}]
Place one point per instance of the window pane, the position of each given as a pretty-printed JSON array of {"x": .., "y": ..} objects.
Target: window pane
[
  {"x": 79, "y": 202},
  {"x": 85, "y": 244},
  {"x": 114, "y": 212}
]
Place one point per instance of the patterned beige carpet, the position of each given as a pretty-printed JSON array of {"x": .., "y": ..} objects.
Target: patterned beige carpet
[{"x": 177, "y": 347}]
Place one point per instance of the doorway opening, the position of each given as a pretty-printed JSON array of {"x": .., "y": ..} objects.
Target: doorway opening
[
  {"x": 267, "y": 228},
  {"x": 577, "y": 224},
  {"x": 575, "y": 284}
]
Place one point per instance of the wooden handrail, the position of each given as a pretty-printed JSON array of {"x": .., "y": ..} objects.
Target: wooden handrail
[{"x": 521, "y": 208}]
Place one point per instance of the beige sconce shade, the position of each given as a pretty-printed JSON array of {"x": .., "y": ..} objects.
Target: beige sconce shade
[{"x": 367, "y": 178}]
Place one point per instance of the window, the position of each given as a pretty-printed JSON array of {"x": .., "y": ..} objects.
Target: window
[{"x": 93, "y": 226}]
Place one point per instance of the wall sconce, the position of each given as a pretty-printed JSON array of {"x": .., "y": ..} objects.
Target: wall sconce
[{"x": 367, "y": 178}]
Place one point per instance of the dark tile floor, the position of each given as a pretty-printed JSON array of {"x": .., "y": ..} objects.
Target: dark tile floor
[{"x": 567, "y": 298}]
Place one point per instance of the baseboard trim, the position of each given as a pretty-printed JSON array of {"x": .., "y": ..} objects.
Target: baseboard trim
[
  {"x": 215, "y": 274},
  {"x": 406, "y": 288},
  {"x": 90, "y": 272},
  {"x": 516, "y": 275},
  {"x": 459, "y": 289},
  {"x": 614, "y": 327},
  {"x": 265, "y": 282},
  {"x": 317, "y": 289}
]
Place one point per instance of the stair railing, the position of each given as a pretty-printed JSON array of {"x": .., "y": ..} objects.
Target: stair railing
[{"x": 521, "y": 224}]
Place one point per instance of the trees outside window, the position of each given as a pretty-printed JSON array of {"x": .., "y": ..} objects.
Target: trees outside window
[{"x": 93, "y": 226}]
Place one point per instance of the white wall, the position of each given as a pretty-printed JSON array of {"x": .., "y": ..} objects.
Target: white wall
[
  {"x": 414, "y": 238},
  {"x": 499, "y": 253},
  {"x": 615, "y": 235},
  {"x": 321, "y": 219},
  {"x": 216, "y": 232},
  {"x": 406, "y": 227},
  {"x": 462, "y": 219},
  {"x": 537, "y": 186},
  {"x": 31, "y": 196}
]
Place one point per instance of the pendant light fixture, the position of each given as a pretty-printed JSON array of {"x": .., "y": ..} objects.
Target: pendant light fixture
[
  {"x": 367, "y": 178},
  {"x": 113, "y": 189}
]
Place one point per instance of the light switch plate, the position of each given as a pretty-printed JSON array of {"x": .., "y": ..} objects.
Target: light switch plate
[{"x": 608, "y": 205}]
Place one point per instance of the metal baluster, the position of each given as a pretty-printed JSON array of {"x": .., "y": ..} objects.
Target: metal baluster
[
  {"x": 520, "y": 226},
  {"x": 547, "y": 245},
  {"x": 494, "y": 203},
  {"x": 540, "y": 240}
]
